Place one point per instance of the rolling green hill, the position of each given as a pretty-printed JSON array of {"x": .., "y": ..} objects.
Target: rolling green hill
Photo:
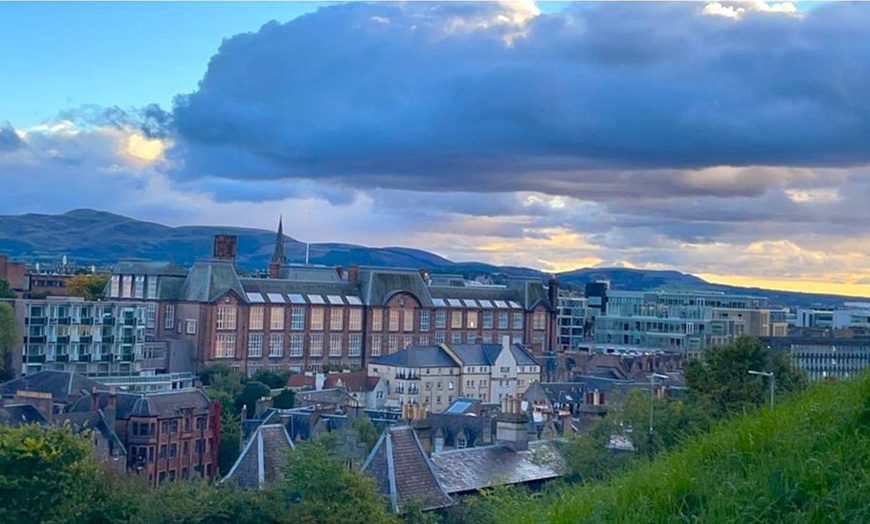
[
  {"x": 87, "y": 236},
  {"x": 805, "y": 462}
]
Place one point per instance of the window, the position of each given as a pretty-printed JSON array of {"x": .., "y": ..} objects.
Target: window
[
  {"x": 115, "y": 286},
  {"x": 471, "y": 319},
  {"x": 169, "y": 316},
  {"x": 127, "y": 286},
  {"x": 315, "y": 345},
  {"x": 297, "y": 319},
  {"x": 276, "y": 345},
  {"x": 255, "y": 345},
  {"x": 276, "y": 318},
  {"x": 296, "y": 342},
  {"x": 394, "y": 319},
  {"x": 225, "y": 345},
  {"x": 354, "y": 319},
  {"x": 502, "y": 320},
  {"x": 440, "y": 337},
  {"x": 518, "y": 321},
  {"x": 487, "y": 320},
  {"x": 408, "y": 342},
  {"x": 150, "y": 315},
  {"x": 377, "y": 320},
  {"x": 200, "y": 423},
  {"x": 456, "y": 337},
  {"x": 173, "y": 450},
  {"x": 423, "y": 340},
  {"x": 185, "y": 449},
  {"x": 393, "y": 343},
  {"x": 456, "y": 319},
  {"x": 539, "y": 320},
  {"x": 336, "y": 319},
  {"x": 504, "y": 369},
  {"x": 408, "y": 320},
  {"x": 471, "y": 337},
  {"x": 335, "y": 341},
  {"x": 152, "y": 287},
  {"x": 255, "y": 318},
  {"x": 173, "y": 427},
  {"x": 486, "y": 338},
  {"x": 377, "y": 342},
  {"x": 424, "y": 320},
  {"x": 164, "y": 427},
  {"x": 226, "y": 317},
  {"x": 139, "y": 286},
  {"x": 190, "y": 326},
  {"x": 354, "y": 347},
  {"x": 440, "y": 319},
  {"x": 317, "y": 319},
  {"x": 162, "y": 452}
]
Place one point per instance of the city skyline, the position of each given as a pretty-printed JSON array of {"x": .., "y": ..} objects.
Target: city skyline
[{"x": 727, "y": 142}]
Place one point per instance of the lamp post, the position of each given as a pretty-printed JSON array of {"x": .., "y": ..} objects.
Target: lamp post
[
  {"x": 768, "y": 374},
  {"x": 652, "y": 398}
]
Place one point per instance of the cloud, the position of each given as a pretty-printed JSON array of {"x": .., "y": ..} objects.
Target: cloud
[
  {"x": 9, "y": 139},
  {"x": 493, "y": 98}
]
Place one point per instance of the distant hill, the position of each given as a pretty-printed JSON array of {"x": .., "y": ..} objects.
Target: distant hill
[{"x": 87, "y": 236}]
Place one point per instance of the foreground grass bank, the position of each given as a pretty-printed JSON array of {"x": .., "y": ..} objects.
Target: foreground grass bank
[{"x": 807, "y": 461}]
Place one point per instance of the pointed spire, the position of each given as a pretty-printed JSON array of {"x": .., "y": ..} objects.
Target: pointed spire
[{"x": 278, "y": 254}]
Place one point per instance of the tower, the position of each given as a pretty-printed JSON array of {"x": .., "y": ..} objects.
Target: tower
[{"x": 278, "y": 258}]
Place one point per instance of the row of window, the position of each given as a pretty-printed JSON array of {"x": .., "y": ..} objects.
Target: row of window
[
  {"x": 130, "y": 286},
  {"x": 395, "y": 319},
  {"x": 225, "y": 345},
  {"x": 142, "y": 454}
]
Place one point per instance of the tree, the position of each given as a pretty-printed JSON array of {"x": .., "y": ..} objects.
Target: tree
[
  {"x": 6, "y": 289},
  {"x": 197, "y": 501},
  {"x": 46, "y": 475},
  {"x": 325, "y": 490},
  {"x": 251, "y": 393},
  {"x": 10, "y": 338},
  {"x": 284, "y": 400},
  {"x": 272, "y": 379},
  {"x": 366, "y": 430},
  {"x": 208, "y": 374},
  {"x": 89, "y": 287},
  {"x": 721, "y": 382}
]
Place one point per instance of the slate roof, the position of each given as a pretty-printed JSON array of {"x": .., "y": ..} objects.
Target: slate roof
[
  {"x": 414, "y": 357},
  {"x": 273, "y": 285},
  {"x": 18, "y": 414},
  {"x": 486, "y": 354},
  {"x": 353, "y": 382},
  {"x": 403, "y": 472},
  {"x": 95, "y": 420},
  {"x": 147, "y": 267},
  {"x": 471, "y": 469},
  {"x": 61, "y": 384},
  {"x": 168, "y": 404},
  {"x": 209, "y": 279},
  {"x": 263, "y": 459},
  {"x": 379, "y": 285},
  {"x": 334, "y": 396}
]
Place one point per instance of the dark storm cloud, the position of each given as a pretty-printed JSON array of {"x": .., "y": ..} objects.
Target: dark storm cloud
[
  {"x": 584, "y": 104},
  {"x": 151, "y": 120}
]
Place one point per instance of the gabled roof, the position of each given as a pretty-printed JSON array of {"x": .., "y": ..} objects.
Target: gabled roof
[
  {"x": 486, "y": 354},
  {"x": 418, "y": 357},
  {"x": 403, "y": 472},
  {"x": 92, "y": 420},
  {"x": 298, "y": 380},
  {"x": 263, "y": 459},
  {"x": 208, "y": 280},
  {"x": 147, "y": 267},
  {"x": 61, "y": 384},
  {"x": 353, "y": 382},
  {"x": 18, "y": 414},
  {"x": 471, "y": 469},
  {"x": 379, "y": 285}
]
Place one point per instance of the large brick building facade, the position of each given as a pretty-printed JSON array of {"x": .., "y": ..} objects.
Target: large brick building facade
[{"x": 304, "y": 317}]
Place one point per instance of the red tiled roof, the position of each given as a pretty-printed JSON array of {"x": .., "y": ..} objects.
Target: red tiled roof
[
  {"x": 353, "y": 382},
  {"x": 298, "y": 380}
]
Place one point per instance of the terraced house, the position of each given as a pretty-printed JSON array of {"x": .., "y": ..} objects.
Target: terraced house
[{"x": 304, "y": 317}]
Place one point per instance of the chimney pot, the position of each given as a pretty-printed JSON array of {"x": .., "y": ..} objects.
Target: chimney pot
[{"x": 353, "y": 274}]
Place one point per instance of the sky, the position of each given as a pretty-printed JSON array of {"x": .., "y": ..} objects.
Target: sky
[{"x": 729, "y": 140}]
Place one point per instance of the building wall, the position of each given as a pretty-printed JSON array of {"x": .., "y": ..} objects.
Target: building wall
[{"x": 13, "y": 272}]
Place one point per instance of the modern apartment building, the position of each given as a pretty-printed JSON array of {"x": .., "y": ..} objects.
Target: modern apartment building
[
  {"x": 825, "y": 357},
  {"x": 685, "y": 321},
  {"x": 573, "y": 321},
  {"x": 93, "y": 338},
  {"x": 434, "y": 376},
  {"x": 305, "y": 317}
]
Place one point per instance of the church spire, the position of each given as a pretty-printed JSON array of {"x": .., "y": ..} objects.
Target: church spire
[{"x": 278, "y": 254}]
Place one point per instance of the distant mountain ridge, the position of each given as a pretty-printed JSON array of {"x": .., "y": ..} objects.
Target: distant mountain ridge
[{"x": 88, "y": 236}]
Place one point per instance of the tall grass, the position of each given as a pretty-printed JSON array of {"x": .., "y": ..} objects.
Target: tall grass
[{"x": 808, "y": 461}]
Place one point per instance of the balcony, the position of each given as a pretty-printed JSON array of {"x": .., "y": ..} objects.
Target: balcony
[
  {"x": 37, "y": 321},
  {"x": 64, "y": 321},
  {"x": 35, "y": 359},
  {"x": 87, "y": 321},
  {"x": 61, "y": 358},
  {"x": 63, "y": 340},
  {"x": 36, "y": 340},
  {"x": 86, "y": 340},
  {"x": 84, "y": 358},
  {"x": 107, "y": 358}
]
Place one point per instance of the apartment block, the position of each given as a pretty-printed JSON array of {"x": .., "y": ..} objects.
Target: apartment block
[{"x": 573, "y": 321}]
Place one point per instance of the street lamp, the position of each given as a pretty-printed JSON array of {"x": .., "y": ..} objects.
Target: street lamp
[
  {"x": 768, "y": 374},
  {"x": 652, "y": 398}
]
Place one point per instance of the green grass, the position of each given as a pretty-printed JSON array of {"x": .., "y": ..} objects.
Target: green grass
[{"x": 808, "y": 461}]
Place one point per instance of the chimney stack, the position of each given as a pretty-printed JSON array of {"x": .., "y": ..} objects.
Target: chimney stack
[
  {"x": 111, "y": 408},
  {"x": 512, "y": 425},
  {"x": 225, "y": 248},
  {"x": 353, "y": 274},
  {"x": 94, "y": 399},
  {"x": 340, "y": 272}
]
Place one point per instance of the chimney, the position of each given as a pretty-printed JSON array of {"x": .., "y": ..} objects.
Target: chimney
[
  {"x": 225, "y": 248},
  {"x": 353, "y": 274},
  {"x": 94, "y": 399},
  {"x": 424, "y": 275},
  {"x": 339, "y": 270},
  {"x": 506, "y": 343},
  {"x": 111, "y": 408},
  {"x": 511, "y": 428},
  {"x": 319, "y": 381},
  {"x": 242, "y": 428}
]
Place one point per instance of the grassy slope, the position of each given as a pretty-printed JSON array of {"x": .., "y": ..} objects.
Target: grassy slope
[{"x": 808, "y": 462}]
